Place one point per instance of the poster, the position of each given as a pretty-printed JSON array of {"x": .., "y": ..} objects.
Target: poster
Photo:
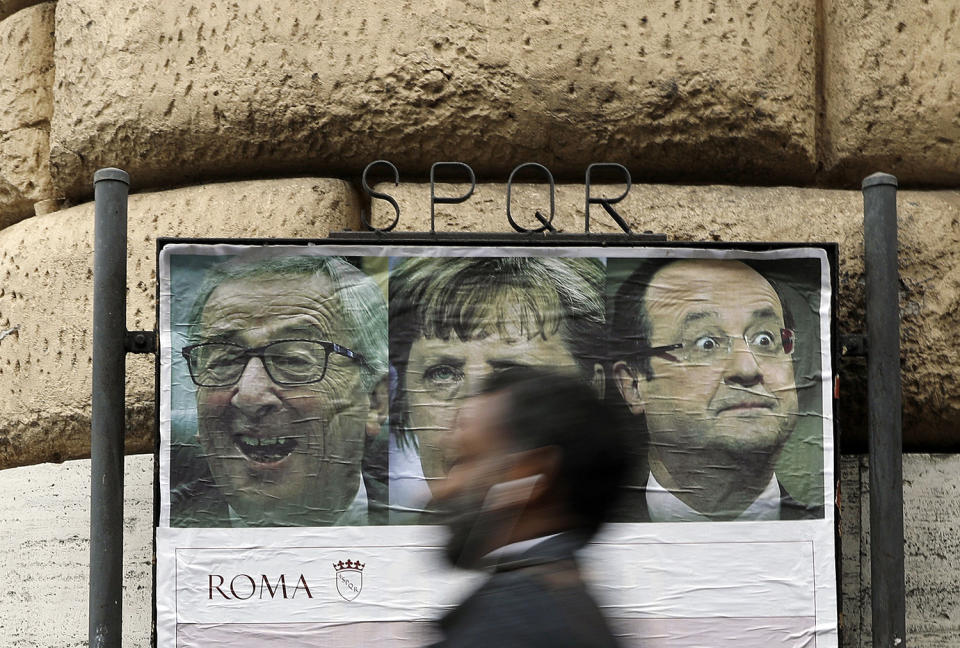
[{"x": 306, "y": 391}]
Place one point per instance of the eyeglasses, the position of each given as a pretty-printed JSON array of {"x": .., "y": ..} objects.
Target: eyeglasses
[
  {"x": 287, "y": 362},
  {"x": 712, "y": 348}
]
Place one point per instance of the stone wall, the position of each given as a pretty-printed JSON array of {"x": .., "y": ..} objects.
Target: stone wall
[
  {"x": 739, "y": 120},
  {"x": 250, "y": 87},
  {"x": 890, "y": 100},
  {"x": 26, "y": 104}
]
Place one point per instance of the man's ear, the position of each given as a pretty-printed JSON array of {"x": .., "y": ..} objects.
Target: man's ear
[
  {"x": 532, "y": 476},
  {"x": 599, "y": 381},
  {"x": 632, "y": 387},
  {"x": 379, "y": 407}
]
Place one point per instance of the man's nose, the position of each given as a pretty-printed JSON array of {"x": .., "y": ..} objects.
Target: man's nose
[
  {"x": 742, "y": 367},
  {"x": 256, "y": 393}
]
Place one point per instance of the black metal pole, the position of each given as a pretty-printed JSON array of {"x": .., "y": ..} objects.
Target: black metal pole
[
  {"x": 107, "y": 430},
  {"x": 884, "y": 410}
]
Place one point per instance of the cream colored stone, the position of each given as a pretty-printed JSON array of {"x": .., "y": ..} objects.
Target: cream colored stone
[
  {"x": 46, "y": 299},
  {"x": 26, "y": 67},
  {"x": 892, "y": 90},
  {"x": 26, "y": 84},
  {"x": 44, "y": 207},
  {"x": 931, "y": 508},
  {"x": 674, "y": 88},
  {"x": 45, "y": 553},
  {"x": 24, "y": 173},
  {"x": 853, "y": 527},
  {"x": 931, "y": 547},
  {"x": 929, "y": 225}
]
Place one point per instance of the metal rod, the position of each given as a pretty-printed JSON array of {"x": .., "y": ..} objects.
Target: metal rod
[
  {"x": 107, "y": 425},
  {"x": 884, "y": 410}
]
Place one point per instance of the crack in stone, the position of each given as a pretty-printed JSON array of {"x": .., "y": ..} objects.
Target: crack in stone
[{"x": 9, "y": 331}]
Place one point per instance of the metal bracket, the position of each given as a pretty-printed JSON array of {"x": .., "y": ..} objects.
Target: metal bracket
[
  {"x": 140, "y": 342},
  {"x": 853, "y": 345},
  {"x": 500, "y": 238}
]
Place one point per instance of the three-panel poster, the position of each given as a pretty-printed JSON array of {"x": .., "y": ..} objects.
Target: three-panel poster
[{"x": 307, "y": 392}]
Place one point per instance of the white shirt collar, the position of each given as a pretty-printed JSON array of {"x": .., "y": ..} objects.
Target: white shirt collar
[
  {"x": 664, "y": 506},
  {"x": 355, "y": 515},
  {"x": 409, "y": 491}
]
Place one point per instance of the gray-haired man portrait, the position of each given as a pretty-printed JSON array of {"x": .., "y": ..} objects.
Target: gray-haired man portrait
[
  {"x": 453, "y": 322},
  {"x": 289, "y": 358}
]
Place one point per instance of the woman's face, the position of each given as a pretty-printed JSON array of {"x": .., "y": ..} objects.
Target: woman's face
[{"x": 441, "y": 373}]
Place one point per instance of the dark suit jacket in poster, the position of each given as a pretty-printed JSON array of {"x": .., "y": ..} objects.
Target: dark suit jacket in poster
[
  {"x": 536, "y": 600},
  {"x": 198, "y": 504},
  {"x": 633, "y": 507}
]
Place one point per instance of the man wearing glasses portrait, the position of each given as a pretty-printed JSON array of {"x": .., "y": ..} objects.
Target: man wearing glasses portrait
[
  {"x": 703, "y": 356},
  {"x": 289, "y": 357}
]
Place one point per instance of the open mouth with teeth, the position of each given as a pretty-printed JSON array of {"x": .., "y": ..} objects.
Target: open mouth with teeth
[{"x": 265, "y": 449}]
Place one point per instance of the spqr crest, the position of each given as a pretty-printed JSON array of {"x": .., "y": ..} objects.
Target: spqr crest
[{"x": 349, "y": 578}]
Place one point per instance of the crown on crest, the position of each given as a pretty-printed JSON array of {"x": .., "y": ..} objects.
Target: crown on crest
[{"x": 349, "y": 564}]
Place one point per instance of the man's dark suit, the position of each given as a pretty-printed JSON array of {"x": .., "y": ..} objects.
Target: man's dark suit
[{"x": 535, "y": 599}]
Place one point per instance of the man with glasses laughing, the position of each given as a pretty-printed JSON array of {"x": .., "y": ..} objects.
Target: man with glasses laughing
[
  {"x": 289, "y": 358},
  {"x": 704, "y": 359}
]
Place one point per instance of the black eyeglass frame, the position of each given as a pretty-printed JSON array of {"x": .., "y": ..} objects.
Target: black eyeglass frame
[
  {"x": 258, "y": 352},
  {"x": 788, "y": 337}
]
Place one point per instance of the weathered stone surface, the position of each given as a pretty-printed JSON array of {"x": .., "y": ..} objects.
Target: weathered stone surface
[
  {"x": 26, "y": 67},
  {"x": 46, "y": 294},
  {"x": 932, "y": 545},
  {"x": 45, "y": 553},
  {"x": 929, "y": 225},
  {"x": 26, "y": 84},
  {"x": 852, "y": 604},
  {"x": 673, "y": 88},
  {"x": 9, "y": 7},
  {"x": 931, "y": 510},
  {"x": 892, "y": 90}
]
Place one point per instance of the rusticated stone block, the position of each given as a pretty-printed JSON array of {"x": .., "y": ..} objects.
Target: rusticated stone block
[
  {"x": 929, "y": 240},
  {"x": 45, "y": 553},
  {"x": 931, "y": 508},
  {"x": 853, "y": 527},
  {"x": 892, "y": 89},
  {"x": 26, "y": 67},
  {"x": 46, "y": 295},
  {"x": 26, "y": 84},
  {"x": 680, "y": 89}
]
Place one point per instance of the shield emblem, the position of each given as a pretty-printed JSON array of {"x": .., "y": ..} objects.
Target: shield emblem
[{"x": 349, "y": 583}]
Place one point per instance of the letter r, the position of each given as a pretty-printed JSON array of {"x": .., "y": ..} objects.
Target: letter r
[{"x": 211, "y": 587}]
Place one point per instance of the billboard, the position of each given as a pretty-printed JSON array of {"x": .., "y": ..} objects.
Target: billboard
[{"x": 307, "y": 390}]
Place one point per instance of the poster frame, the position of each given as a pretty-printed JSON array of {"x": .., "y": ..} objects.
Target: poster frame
[{"x": 487, "y": 239}]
